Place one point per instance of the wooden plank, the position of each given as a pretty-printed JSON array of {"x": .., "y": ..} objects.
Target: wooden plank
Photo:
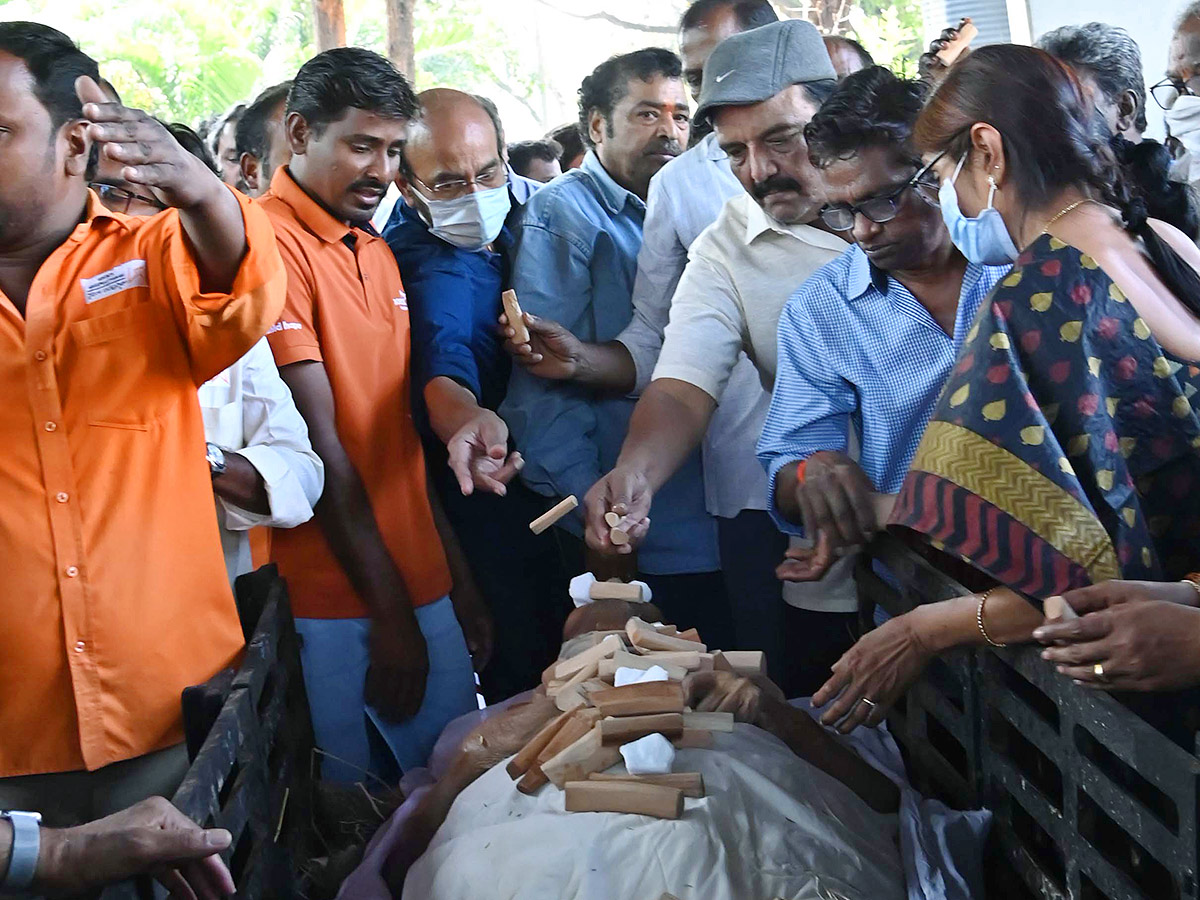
[
  {"x": 747, "y": 662},
  {"x": 580, "y": 723},
  {"x": 615, "y": 590},
  {"x": 581, "y": 759},
  {"x": 591, "y": 655},
  {"x": 640, "y": 699},
  {"x": 647, "y": 637},
  {"x": 556, "y": 512},
  {"x": 516, "y": 319},
  {"x": 623, "y": 660},
  {"x": 690, "y": 635},
  {"x": 708, "y": 721},
  {"x": 691, "y": 783},
  {"x": 624, "y": 797},
  {"x": 527, "y": 755},
  {"x": 692, "y": 660},
  {"x": 621, "y": 730}
]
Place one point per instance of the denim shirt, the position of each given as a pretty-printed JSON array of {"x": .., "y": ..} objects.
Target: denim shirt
[{"x": 577, "y": 245}]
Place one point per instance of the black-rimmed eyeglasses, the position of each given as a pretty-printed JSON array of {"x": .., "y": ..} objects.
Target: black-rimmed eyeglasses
[
  {"x": 840, "y": 216},
  {"x": 1168, "y": 91}
]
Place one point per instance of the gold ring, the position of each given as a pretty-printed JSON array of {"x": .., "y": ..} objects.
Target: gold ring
[{"x": 1098, "y": 669}]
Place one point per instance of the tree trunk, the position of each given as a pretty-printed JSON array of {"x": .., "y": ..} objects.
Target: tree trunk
[
  {"x": 401, "y": 45},
  {"x": 329, "y": 17}
]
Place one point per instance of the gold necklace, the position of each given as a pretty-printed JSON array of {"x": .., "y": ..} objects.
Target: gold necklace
[{"x": 1062, "y": 212}]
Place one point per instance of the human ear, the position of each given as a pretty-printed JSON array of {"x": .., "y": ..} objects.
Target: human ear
[
  {"x": 78, "y": 150},
  {"x": 596, "y": 126},
  {"x": 297, "y": 132}
]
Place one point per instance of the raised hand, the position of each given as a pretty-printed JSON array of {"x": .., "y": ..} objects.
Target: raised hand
[{"x": 151, "y": 156}]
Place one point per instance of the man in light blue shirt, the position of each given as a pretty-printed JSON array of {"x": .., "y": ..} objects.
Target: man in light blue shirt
[
  {"x": 867, "y": 342},
  {"x": 577, "y": 247}
]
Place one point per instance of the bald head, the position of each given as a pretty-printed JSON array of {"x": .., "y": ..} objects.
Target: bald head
[{"x": 455, "y": 139}]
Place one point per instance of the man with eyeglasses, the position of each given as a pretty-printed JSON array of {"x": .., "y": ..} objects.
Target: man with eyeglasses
[
  {"x": 451, "y": 234},
  {"x": 1179, "y": 93},
  {"x": 577, "y": 246},
  {"x": 867, "y": 342},
  {"x": 760, "y": 88}
]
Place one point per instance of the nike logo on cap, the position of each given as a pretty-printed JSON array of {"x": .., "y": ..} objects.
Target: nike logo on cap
[{"x": 721, "y": 78}]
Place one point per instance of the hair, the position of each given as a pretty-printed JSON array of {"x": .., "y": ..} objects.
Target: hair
[
  {"x": 252, "y": 126},
  {"x": 192, "y": 143},
  {"x": 570, "y": 140},
  {"x": 493, "y": 112},
  {"x": 521, "y": 154},
  {"x": 608, "y": 84},
  {"x": 333, "y": 82},
  {"x": 870, "y": 108},
  {"x": 747, "y": 13},
  {"x": 1146, "y": 166},
  {"x": 1191, "y": 11},
  {"x": 864, "y": 57},
  {"x": 54, "y": 61},
  {"x": 1050, "y": 141},
  {"x": 1108, "y": 54},
  {"x": 231, "y": 116}
]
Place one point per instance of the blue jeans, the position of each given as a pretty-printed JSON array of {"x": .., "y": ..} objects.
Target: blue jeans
[{"x": 353, "y": 735}]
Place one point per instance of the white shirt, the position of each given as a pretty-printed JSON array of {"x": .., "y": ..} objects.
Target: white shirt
[
  {"x": 741, "y": 271},
  {"x": 249, "y": 410},
  {"x": 686, "y": 197}
]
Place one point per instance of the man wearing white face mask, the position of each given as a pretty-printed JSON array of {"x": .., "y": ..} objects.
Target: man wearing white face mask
[
  {"x": 1179, "y": 94},
  {"x": 453, "y": 247}
]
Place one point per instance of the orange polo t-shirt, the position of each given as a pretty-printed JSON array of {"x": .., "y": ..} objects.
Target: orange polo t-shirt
[
  {"x": 113, "y": 592},
  {"x": 346, "y": 308}
]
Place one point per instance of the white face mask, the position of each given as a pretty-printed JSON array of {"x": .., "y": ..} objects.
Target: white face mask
[
  {"x": 1183, "y": 122},
  {"x": 469, "y": 222}
]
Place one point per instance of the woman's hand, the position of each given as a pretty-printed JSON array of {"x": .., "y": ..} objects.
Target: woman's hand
[
  {"x": 873, "y": 673},
  {"x": 1145, "y": 636}
]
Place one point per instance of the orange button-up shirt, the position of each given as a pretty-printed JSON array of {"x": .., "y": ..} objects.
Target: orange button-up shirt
[
  {"x": 346, "y": 308},
  {"x": 113, "y": 593}
]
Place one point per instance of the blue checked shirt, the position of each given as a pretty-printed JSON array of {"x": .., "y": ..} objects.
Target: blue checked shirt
[{"x": 857, "y": 349}]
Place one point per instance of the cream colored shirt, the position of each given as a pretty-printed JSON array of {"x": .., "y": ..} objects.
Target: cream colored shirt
[{"x": 740, "y": 273}]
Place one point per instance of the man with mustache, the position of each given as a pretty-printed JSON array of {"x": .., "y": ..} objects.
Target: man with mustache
[
  {"x": 376, "y": 578},
  {"x": 760, "y": 89},
  {"x": 576, "y": 257}
]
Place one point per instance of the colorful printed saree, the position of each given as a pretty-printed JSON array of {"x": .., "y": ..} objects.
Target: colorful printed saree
[{"x": 1065, "y": 449}]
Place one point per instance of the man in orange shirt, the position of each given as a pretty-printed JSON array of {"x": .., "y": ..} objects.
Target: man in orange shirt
[
  {"x": 385, "y": 661},
  {"x": 111, "y": 574}
]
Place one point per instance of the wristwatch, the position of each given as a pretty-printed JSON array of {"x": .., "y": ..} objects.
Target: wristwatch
[
  {"x": 27, "y": 841},
  {"x": 216, "y": 458}
]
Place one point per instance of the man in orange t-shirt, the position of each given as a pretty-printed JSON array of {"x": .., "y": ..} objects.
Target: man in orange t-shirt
[
  {"x": 384, "y": 655},
  {"x": 112, "y": 581}
]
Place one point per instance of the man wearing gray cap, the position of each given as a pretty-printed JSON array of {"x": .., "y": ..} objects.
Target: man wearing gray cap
[{"x": 760, "y": 89}]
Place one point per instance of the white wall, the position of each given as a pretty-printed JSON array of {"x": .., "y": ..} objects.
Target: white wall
[{"x": 1150, "y": 22}]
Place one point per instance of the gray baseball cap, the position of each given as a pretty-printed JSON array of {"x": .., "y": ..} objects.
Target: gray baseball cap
[{"x": 755, "y": 65}]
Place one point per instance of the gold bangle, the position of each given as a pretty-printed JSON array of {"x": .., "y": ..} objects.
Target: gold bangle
[
  {"x": 1193, "y": 580},
  {"x": 979, "y": 617}
]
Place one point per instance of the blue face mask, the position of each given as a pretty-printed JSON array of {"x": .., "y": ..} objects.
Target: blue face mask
[
  {"x": 983, "y": 240},
  {"x": 471, "y": 221}
]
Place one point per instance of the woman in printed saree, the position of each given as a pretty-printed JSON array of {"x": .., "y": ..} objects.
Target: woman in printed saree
[{"x": 1066, "y": 442}]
